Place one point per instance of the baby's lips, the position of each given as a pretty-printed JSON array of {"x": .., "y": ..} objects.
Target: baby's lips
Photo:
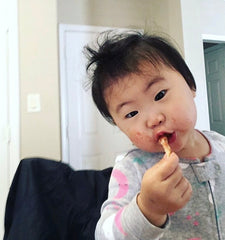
[{"x": 161, "y": 134}]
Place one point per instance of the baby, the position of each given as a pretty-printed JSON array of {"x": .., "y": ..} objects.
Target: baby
[{"x": 141, "y": 84}]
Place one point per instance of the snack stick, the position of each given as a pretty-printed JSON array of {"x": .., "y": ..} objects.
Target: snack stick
[{"x": 164, "y": 142}]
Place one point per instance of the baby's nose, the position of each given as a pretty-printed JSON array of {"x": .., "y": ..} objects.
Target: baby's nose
[{"x": 155, "y": 120}]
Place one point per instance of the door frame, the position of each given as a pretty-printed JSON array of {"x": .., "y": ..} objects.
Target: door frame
[
  {"x": 14, "y": 89},
  {"x": 11, "y": 78},
  {"x": 211, "y": 38},
  {"x": 10, "y": 99}
]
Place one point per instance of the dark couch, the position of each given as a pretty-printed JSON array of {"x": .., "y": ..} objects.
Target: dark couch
[{"x": 50, "y": 201}]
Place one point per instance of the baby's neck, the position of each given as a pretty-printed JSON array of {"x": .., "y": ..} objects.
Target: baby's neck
[{"x": 199, "y": 150}]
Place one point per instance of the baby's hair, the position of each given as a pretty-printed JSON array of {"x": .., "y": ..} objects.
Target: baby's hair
[{"x": 120, "y": 54}]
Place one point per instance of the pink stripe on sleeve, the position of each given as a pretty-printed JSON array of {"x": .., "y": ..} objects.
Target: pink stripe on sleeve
[
  {"x": 118, "y": 221},
  {"x": 122, "y": 182}
]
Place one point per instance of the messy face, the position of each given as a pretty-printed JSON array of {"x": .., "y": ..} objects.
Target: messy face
[{"x": 152, "y": 103}]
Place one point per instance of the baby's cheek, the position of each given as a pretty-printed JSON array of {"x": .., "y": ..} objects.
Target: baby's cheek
[
  {"x": 184, "y": 118},
  {"x": 136, "y": 137},
  {"x": 140, "y": 140},
  {"x": 184, "y": 123}
]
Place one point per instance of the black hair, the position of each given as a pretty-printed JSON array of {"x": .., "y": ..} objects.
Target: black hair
[{"x": 120, "y": 54}]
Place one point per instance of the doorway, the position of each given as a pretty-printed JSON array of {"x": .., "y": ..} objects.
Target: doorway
[{"x": 214, "y": 55}]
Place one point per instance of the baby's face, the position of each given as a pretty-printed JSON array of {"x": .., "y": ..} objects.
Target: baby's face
[{"x": 153, "y": 103}]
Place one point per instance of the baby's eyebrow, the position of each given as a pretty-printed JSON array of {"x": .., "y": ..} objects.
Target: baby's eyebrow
[
  {"x": 121, "y": 105},
  {"x": 152, "y": 82}
]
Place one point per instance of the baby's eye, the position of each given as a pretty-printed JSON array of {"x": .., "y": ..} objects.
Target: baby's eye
[
  {"x": 160, "y": 95},
  {"x": 131, "y": 114}
]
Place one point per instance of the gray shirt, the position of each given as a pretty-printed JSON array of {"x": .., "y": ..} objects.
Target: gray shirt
[{"x": 203, "y": 217}]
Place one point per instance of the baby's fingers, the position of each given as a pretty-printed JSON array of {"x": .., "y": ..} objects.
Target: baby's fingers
[
  {"x": 183, "y": 191},
  {"x": 187, "y": 191},
  {"x": 168, "y": 165}
]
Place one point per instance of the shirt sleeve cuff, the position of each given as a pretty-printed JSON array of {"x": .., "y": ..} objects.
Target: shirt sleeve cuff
[{"x": 138, "y": 225}]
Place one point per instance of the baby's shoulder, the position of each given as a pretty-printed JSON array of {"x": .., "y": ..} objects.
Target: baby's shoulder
[
  {"x": 216, "y": 140},
  {"x": 139, "y": 158},
  {"x": 214, "y": 136}
]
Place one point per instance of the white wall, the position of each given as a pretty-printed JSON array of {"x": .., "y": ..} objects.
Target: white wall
[
  {"x": 162, "y": 16},
  {"x": 212, "y": 16},
  {"x": 198, "y": 18},
  {"x": 38, "y": 43}
]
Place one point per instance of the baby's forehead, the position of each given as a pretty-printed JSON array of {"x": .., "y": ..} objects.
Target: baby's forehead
[
  {"x": 144, "y": 70},
  {"x": 148, "y": 68},
  {"x": 119, "y": 85}
]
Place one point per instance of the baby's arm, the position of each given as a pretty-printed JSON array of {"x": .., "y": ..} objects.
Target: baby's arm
[
  {"x": 121, "y": 218},
  {"x": 163, "y": 190},
  {"x": 127, "y": 215}
]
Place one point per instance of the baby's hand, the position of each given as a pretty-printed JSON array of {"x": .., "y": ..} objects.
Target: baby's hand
[{"x": 164, "y": 189}]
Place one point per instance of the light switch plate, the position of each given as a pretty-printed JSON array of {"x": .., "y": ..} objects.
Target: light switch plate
[{"x": 33, "y": 102}]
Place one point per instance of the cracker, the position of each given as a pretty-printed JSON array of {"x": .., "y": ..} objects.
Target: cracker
[{"x": 164, "y": 142}]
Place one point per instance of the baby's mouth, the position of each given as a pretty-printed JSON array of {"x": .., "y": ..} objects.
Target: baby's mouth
[{"x": 171, "y": 137}]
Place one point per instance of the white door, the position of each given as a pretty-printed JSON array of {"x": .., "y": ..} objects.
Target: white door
[
  {"x": 215, "y": 76},
  {"x": 9, "y": 104},
  {"x": 88, "y": 140}
]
